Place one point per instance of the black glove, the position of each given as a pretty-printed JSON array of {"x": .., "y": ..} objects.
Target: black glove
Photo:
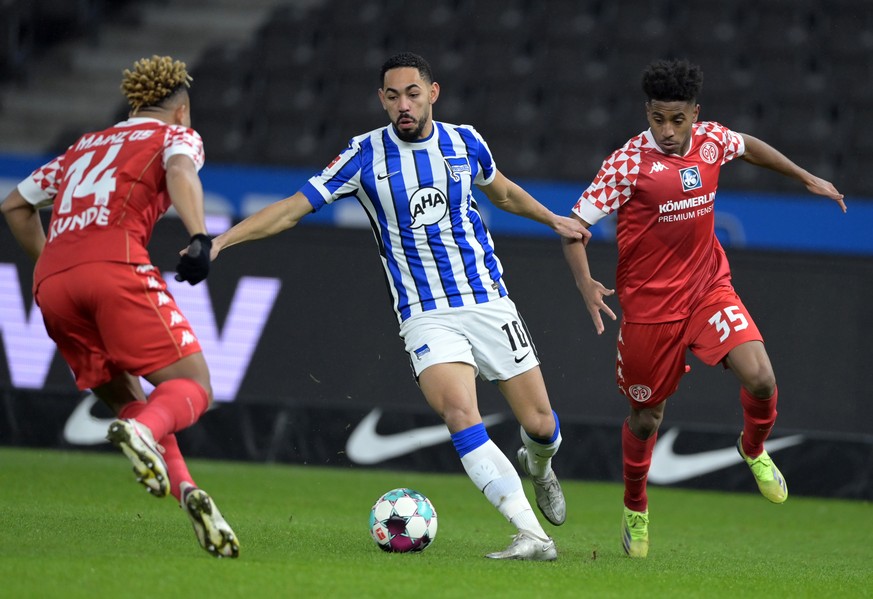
[{"x": 194, "y": 265}]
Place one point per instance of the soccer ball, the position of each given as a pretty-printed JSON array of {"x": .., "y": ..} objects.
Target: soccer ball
[{"x": 403, "y": 520}]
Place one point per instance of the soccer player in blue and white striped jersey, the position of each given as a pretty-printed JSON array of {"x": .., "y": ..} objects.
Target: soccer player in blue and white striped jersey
[{"x": 414, "y": 178}]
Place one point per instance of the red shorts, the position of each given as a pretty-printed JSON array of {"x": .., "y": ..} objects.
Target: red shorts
[
  {"x": 111, "y": 317},
  {"x": 651, "y": 357}
]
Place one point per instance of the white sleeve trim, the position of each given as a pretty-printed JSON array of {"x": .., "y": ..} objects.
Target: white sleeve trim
[
  {"x": 32, "y": 193},
  {"x": 588, "y": 211}
]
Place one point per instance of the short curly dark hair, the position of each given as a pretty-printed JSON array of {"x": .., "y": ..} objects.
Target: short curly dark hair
[
  {"x": 154, "y": 80},
  {"x": 672, "y": 80},
  {"x": 407, "y": 59}
]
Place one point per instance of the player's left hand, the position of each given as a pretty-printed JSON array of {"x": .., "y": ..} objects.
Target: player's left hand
[
  {"x": 194, "y": 264},
  {"x": 821, "y": 187},
  {"x": 571, "y": 228}
]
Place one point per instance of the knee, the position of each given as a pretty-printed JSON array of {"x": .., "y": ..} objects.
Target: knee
[
  {"x": 644, "y": 423},
  {"x": 540, "y": 425},
  {"x": 762, "y": 383},
  {"x": 458, "y": 417}
]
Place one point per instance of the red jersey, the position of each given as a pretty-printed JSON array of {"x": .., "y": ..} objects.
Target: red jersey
[
  {"x": 668, "y": 254},
  {"x": 108, "y": 190}
]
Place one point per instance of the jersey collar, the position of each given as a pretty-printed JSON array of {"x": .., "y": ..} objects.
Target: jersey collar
[
  {"x": 139, "y": 120},
  {"x": 650, "y": 142},
  {"x": 421, "y": 144}
]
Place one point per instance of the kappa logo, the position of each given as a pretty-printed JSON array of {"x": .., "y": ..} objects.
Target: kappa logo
[
  {"x": 657, "y": 167},
  {"x": 668, "y": 467},
  {"x": 366, "y": 446}
]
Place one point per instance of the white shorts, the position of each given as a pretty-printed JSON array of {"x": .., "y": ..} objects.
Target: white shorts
[{"x": 491, "y": 337}]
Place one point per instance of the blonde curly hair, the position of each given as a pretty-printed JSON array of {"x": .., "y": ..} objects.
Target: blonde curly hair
[{"x": 153, "y": 80}]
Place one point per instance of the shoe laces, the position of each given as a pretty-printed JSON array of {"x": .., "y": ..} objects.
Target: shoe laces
[
  {"x": 549, "y": 482},
  {"x": 637, "y": 523},
  {"x": 762, "y": 467}
]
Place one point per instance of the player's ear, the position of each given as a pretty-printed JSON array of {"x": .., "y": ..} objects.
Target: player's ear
[
  {"x": 434, "y": 92},
  {"x": 182, "y": 115}
]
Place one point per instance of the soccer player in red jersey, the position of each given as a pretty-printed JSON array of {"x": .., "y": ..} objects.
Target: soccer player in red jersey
[
  {"x": 104, "y": 304},
  {"x": 673, "y": 279}
]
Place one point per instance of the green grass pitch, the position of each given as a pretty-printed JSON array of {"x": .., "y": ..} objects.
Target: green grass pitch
[{"x": 76, "y": 524}]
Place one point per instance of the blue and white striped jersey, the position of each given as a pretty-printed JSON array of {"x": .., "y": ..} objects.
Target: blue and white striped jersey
[{"x": 435, "y": 248}]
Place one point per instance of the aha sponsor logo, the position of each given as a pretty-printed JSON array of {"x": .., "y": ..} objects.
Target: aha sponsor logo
[{"x": 427, "y": 206}]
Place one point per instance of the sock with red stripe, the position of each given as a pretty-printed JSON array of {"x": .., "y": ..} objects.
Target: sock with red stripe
[
  {"x": 177, "y": 469},
  {"x": 759, "y": 416},
  {"x": 637, "y": 458},
  {"x": 174, "y": 405}
]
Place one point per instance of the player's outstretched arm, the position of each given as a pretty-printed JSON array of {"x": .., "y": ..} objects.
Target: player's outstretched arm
[
  {"x": 266, "y": 222},
  {"x": 24, "y": 222},
  {"x": 763, "y": 154},
  {"x": 186, "y": 193},
  {"x": 508, "y": 196},
  {"x": 593, "y": 292}
]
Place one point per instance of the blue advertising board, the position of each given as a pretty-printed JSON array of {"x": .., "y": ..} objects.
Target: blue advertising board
[{"x": 759, "y": 221}]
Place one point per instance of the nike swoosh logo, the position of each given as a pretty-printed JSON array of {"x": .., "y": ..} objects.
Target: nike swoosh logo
[
  {"x": 384, "y": 176},
  {"x": 82, "y": 428},
  {"x": 521, "y": 359},
  {"x": 366, "y": 446},
  {"x": 669, "y": 467}
]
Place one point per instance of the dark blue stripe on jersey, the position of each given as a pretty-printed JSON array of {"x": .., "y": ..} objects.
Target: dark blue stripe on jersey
[
  {"x": 346, "y": 171},
  {"x": 468, "y": 255},
  {"x": 434, "y": 241},
  {"x": 380, "y": 230},
  {"x": 413, "y": 258},
  {"x": 368, "y": 180},
  {"x": 482, "y": 236},
  {"x": 313, "y": 195},
  {"x": 484, "y": 160}
]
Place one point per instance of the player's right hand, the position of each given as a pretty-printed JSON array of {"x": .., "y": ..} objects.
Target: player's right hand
[
  {"x": 593, "y": 293},
  {"x": 194, "y": 263}
]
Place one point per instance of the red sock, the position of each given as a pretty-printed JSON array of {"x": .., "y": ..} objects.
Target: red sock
[
  {"x": 637, "y": 455},
  {"x": 177, "y": 469},
  {"x": 759, "y": 415},
  {"x": 173, "y": 406},
  {"x": 176, "y": 466}
]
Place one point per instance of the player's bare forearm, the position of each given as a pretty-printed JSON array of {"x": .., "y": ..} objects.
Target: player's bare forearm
[
  {"x": 763, "y": 154},
  {"x": 266, "y": 222},
  {"x": 509, "y": 196},
  {"x": 24, "y": 223},
  {"x": 186, "y": 193},
  {"x": 592, "y": 291}
]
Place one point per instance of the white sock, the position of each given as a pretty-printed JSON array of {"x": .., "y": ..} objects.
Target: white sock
[
  {"x": 494, "y": 475},
  {"x": 539, "y": 456}
]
